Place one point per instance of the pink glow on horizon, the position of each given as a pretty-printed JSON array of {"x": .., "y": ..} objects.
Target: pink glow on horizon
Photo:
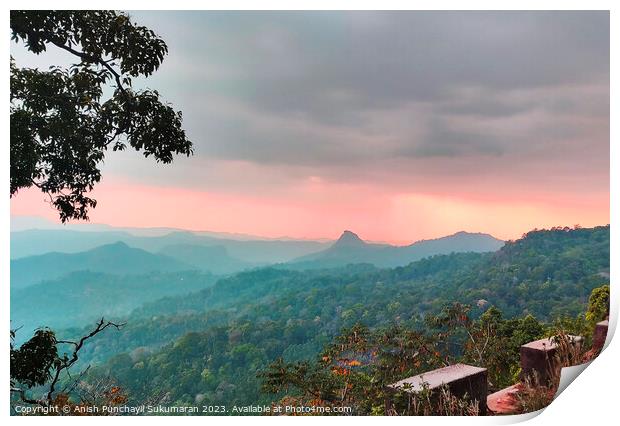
[
  {"x": 296, "y": 138},
  {"x": 324, "y": 211}
]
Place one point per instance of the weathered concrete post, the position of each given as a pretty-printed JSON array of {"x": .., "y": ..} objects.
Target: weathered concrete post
[
  {"x": 461, "y": 380},
  {"x": 600, "y": 334},
  {"x": 538, "y": 358}
]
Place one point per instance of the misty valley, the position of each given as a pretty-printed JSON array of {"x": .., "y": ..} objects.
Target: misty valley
[{"x": 204, "y": 319}]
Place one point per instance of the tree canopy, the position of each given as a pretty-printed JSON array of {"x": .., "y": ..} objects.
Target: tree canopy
[
  {"x": 62, "y": 121},
  {"x": 598, "y": 304}
]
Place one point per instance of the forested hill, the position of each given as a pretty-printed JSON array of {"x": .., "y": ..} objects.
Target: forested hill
[
  {"x": 555, "y": 262},
  {"x": 216, "y": 340},
  {"x": 84, "y": 297},
  {"x": 117, "y": 258}
]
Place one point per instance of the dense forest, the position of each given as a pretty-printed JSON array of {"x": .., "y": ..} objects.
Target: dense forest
[{"x": 216, "y": 345}]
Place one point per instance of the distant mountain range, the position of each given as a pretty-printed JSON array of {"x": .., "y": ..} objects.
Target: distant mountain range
[
  {"x": 350, "y": 248},
  {"x": 214, "y": 259},
  {"x": 117, "y": 258},
  {"x": 46, "y": 254},
  {"x": 27, "y": 223},
  {"x": 260, "y": 252}
]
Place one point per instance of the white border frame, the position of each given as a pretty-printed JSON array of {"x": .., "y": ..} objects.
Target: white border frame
[{"x": 590, "y": 400}]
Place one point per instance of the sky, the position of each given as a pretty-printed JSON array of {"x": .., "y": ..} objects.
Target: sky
[{"x": 398, "y": 126}]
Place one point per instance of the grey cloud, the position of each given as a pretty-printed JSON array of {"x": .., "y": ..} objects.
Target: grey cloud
[
  {"x": 443, "y": 141},
  {"x": 345, "y": 93},
  {"x": 486, "y": 107},
  {"x": 295, "y": 62},
  {"x": 337, "y": 72}
]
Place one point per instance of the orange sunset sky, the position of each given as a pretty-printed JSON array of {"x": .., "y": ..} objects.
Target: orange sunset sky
[{"x": 398, "y": 127}]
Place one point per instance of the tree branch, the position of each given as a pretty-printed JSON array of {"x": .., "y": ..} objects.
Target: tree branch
[
  {"x": 65, "y": 364},
  {"x": 93, "y": 59}
]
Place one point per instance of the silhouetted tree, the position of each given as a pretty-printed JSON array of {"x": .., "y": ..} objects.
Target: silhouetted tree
[
  {"x": 61, "y": 122},
  {"x": 61, "y": 127},
  {"x": 37, "y": 362}
]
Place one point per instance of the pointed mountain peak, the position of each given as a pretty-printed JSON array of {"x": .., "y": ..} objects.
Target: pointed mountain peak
[{"x": 349, "y": 238}]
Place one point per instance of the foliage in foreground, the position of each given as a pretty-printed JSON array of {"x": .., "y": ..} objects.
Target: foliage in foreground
[
  {"x": 37, "y": 363},
  {"x": 357, "y": 368},
  {"x": 62, "y": 124}
]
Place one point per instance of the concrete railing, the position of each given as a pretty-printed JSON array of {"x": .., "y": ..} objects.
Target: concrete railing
[
  {"x": 538, "y": 359},
  {"x": 600, "y": 335},
  {"x": 461, "y": 380}
]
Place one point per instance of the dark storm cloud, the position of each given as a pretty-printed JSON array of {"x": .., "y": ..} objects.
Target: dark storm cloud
[
  {"x": 337, "y": 90},
  {"x": 318, "y": 62},
  {"x": 442, "y": 141}
]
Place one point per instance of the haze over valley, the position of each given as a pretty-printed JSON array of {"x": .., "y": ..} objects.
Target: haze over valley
[
  {"x": 234, "y": 210},
  {"x": 111, "y": 272}
]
